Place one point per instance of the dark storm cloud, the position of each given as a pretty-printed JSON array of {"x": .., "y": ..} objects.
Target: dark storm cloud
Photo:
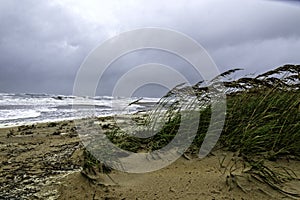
[
  {"x": 43, "y": 43},
  {"x": 255, "y": 35}
]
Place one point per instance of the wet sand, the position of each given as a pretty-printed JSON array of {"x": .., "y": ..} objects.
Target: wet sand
[{"x": 44, "y": 161}]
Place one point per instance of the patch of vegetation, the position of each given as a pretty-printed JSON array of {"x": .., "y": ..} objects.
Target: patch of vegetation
[
  {"x": 135, "y": 144},
  {"x": 91, "y": 163},
  {"x": 262, "y": 120},
  {"x": 263, "y": 123}
]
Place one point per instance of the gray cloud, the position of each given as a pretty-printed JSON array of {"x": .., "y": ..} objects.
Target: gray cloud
[
  {"x": 42, "y": 46},
  {"x": 43, "y": 43}
]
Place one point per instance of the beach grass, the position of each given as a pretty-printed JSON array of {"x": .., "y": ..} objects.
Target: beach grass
[{"x": 262, "y": 121}]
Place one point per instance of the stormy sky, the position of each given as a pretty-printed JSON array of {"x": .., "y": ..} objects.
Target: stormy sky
[{"x": 43, "y": 43}]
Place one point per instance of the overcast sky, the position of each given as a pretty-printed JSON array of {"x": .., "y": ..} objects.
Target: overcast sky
[{"x": 43, "y": 43}]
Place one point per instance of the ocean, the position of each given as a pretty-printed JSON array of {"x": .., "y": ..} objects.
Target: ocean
[{"x": 25, "y": 108}]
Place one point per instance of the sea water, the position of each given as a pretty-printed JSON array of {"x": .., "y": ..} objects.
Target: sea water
[{"x": 18, "y": 109}]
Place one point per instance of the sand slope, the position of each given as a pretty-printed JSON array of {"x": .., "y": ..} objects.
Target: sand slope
[
  {"x": 44, "y": 162},
  {"x": 184, "y": 179}
]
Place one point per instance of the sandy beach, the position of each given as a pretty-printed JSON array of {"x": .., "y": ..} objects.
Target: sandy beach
[{"x": 44, "y": 161}]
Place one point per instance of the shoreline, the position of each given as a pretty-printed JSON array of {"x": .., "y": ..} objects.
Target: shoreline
[
  {"x": 44, "y": 161},
  {"x": 13, "y": 125}
]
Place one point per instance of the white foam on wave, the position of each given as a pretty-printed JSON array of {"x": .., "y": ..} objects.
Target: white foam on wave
[
  {"x": 18, "y": 114},
  {"x": 47, "y": 109}
]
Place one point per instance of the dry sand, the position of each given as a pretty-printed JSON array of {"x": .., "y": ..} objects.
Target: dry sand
[
  {"x": 44, "y": 161},
  {"x": 184, "y": 179}
]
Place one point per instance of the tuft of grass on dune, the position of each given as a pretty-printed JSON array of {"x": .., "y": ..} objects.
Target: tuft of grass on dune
[
  {"x": 262, "y": 120},
  {"x": 262, "y": 123},
  {"x": 262, "y": 116}
]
